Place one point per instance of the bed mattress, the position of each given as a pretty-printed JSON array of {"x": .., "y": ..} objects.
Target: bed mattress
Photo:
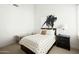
[{"x": 38, "y": 43}]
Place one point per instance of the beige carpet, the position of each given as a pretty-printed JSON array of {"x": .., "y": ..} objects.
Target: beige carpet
[
  {"x": 12, "y": 49},
  {"x": 58, "y": 50},
  {"x": 15, "y": 49}
]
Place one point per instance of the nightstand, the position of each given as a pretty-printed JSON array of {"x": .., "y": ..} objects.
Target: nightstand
[{"x": 63, "y": 41}]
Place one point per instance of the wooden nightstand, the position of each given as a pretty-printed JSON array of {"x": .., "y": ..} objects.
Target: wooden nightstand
[{"x": 63, "y": 41}]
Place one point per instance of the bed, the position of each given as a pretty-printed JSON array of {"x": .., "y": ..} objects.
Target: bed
[{"x": 38, "y": 43}]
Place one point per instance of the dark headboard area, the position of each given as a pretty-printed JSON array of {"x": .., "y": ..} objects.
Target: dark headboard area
[{"x": 47, "y": 28}]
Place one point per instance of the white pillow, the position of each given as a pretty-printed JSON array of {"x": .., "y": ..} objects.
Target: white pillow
[
  {"x": 44, "y": 32},
  {"x": 50, "y": 32}
]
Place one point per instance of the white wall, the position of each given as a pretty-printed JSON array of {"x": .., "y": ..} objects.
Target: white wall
[
  {"x": 78, "y": 20},
  {"x": 66, "y": 15},
  {"x": 29, "y": 18},
  {"x": 77, "y": 7},
  {"x": 15, "y": 21}
]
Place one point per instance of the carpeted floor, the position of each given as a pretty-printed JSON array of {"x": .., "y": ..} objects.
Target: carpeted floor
[{"x": 15, "y": 49}]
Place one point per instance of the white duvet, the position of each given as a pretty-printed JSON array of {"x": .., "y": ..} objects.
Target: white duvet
[{"x": 38, "y": 43}]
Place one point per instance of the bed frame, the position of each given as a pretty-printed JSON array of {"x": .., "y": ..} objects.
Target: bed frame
[{"x": 28, "y": 51}]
